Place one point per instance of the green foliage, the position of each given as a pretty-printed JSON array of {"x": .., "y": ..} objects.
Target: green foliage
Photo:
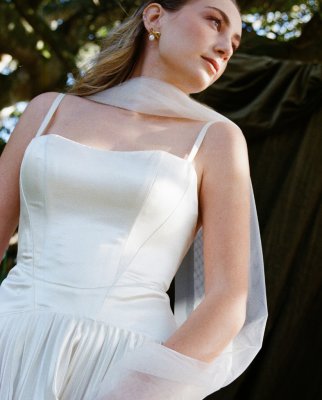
[
  {"x": 282, "y": 24},
  {"x": 3, "y": 267},
  {"x": 263, "y": 7},
  {"x": 9, "y": 122},
  {"x": 2, "y": 144}
]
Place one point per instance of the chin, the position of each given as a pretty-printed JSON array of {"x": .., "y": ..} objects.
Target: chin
[{"x": 200, "y": 83}]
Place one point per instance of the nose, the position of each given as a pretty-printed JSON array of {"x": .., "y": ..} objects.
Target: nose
[{"x": 224, "y": 48}]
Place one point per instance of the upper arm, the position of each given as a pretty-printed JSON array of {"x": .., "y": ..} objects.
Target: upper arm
[
  {"x": 225, "y": 209},
  {"x": 10, "y": 162}
]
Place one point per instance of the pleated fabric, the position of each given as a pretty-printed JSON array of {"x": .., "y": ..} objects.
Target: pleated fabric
[{"x": 51, "y": 356}]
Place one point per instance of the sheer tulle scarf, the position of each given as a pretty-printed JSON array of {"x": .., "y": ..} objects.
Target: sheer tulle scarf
[{"x": 153, "y": 371}]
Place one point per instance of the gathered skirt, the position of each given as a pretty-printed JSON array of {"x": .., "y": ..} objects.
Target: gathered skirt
[{"x": 53, "y": 356}]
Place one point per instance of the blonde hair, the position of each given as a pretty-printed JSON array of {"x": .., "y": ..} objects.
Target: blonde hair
[{"x": 120, "y": 52}]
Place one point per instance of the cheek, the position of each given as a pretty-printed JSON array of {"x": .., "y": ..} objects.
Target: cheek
[
  {"x": 186, "y": 43},
  {"x": 194, "y": 33},
  {"x": 186, "y": 33}
]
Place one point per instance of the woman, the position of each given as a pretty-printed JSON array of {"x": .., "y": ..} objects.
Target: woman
[{"x": 113, "y": 189}]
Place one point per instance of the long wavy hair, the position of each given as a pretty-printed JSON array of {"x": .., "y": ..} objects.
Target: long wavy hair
[{"x": 120, "y": 51}]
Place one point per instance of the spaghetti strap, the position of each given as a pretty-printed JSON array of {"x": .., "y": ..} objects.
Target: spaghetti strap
[
  {"x": 50, "y": 113},
  {"x": 199, "y": 140}
]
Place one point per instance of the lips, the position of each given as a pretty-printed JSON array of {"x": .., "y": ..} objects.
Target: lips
[{"x": 213, "y": 63}]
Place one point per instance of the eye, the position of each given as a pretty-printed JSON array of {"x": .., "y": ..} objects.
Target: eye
[
  {"x": 217, "y": 22},
  {"x": 234, "y": 47}
]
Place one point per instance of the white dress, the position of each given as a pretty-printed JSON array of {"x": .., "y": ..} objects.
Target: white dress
[{"x": 101, "y": 236}]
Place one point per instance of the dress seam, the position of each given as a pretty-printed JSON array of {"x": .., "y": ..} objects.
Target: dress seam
[
  {"x": 73, "y": 316},
  {"x": 159, "y": 227},
  {"x": 129, "y": 233},
  {"x": 90, "y": 288},
  {"x": 31, "y": 228}
]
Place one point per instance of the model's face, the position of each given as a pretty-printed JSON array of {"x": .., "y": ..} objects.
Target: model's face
[{"x": 196, "y": 43}]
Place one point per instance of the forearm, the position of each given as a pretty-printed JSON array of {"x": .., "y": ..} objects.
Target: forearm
[{"x": 211, "y": 327}]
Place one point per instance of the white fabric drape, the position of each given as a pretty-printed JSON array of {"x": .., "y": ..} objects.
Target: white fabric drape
[{"x": 153, "y": 371}]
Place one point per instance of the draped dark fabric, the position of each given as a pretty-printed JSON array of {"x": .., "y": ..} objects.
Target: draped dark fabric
[{"x": 278, "y": 106}]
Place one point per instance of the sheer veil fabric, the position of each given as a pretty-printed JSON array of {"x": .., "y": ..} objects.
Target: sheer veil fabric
[{"x": 153, "y": 371}]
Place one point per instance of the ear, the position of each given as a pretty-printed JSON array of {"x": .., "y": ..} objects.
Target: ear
[{"x": 152, "y": 16}]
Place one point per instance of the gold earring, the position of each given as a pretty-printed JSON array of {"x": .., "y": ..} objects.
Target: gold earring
[{"x": 154, "y": 34}]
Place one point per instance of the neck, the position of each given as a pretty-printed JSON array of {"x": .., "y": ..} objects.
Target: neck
[{"x": 148, "y": 66}]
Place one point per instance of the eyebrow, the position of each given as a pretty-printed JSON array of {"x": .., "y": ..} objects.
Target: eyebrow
[{"x": 226, "y": 20}]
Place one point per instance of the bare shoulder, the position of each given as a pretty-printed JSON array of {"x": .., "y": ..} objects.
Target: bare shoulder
[
  {"x": 26, "y": 129},
  {"x": 43, "y": 101},
  {"x": 30, "y": 121},
  {"x": 224, "y": 194},
  {"x": 226, "y": 135},
  {"x": 224, "y": 148},
  {"x": 35, "y": 113}
]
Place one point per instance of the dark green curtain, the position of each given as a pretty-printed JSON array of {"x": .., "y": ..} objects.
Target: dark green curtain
[{"x": 278, "y": 105}]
